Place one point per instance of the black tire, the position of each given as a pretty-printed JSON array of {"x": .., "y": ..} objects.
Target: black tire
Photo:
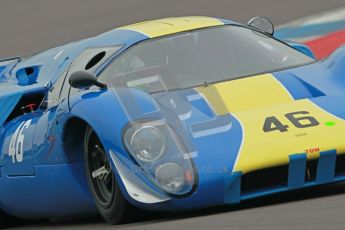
[
  {"x": 105, "y": 190},
  {"x": 7, "y": 221}
]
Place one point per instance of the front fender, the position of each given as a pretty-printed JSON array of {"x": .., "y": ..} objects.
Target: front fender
[{"x": 105, "y": 114}]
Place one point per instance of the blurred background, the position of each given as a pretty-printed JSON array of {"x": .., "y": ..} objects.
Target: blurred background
[{"x": 32, "y": 25}]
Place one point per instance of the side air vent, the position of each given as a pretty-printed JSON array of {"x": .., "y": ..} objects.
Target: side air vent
[
  {"x": 95, "y": 60},
  {"x": 28, "y": 75}
]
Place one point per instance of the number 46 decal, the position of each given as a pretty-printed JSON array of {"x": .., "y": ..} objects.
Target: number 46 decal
[
  {"x": 16, "y": 150},
  {"x": 273, "y": 124}
]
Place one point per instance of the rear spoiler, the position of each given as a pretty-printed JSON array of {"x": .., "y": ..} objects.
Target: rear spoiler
[{"x": 7, "y": 64}]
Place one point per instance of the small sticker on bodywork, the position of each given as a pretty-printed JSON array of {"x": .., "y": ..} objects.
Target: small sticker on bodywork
[{"x": 313, "y": 150}]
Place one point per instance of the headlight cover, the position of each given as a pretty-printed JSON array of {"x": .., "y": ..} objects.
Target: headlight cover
[{"x": 162, "y": 155}]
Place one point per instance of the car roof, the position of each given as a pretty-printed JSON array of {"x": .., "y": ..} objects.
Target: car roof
[{"x": 166, "y": 26}]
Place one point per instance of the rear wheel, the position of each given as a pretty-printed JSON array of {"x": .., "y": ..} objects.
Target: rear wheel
[{"x": 101, "y": 179}]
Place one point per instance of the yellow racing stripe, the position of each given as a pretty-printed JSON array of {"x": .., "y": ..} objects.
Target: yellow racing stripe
[
  {"x": 161, "y": 27},
  {"x": 245, "y": 93},
  {"x": 253, "y": 100}
]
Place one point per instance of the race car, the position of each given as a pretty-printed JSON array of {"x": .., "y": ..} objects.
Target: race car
[{"x": 167, "y": 115}]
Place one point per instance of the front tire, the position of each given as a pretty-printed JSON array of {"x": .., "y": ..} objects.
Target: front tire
[
  {"x": 102, "y": 182},
  {"x": 7, "y": 221}
]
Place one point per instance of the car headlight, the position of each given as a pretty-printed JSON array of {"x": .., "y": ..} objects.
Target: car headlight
[
  {"x": 162, "y": 155},
  {"x": 146, "y": 143},
  {"x": 171, "y": 177}
]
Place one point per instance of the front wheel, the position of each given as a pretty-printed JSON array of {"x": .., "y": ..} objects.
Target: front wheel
[
  {"x": 102, "y": 182},
  {"x": 7, "y": 221}
]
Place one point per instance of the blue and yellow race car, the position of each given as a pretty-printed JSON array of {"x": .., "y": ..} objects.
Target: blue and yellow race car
[{"x": 167, "y": 115}]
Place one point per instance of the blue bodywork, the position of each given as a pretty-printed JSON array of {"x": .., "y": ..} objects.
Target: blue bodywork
[{"x": 50, "y": 181}]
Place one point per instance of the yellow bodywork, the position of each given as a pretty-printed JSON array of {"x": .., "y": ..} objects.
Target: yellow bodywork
[
  {"x": 251, "y": 100},
  {"x": 161, "y": 27}
]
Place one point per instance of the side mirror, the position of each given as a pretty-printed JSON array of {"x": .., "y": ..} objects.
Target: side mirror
[
  {"x": 263, "y": 24},
  {"x": 83, "y": 79}
]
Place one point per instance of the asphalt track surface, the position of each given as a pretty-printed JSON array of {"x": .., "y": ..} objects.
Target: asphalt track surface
[{"x": 30, "y": 26}]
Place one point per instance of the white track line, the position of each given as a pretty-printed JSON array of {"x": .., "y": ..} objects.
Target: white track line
[{"x": 324, "y": 17}]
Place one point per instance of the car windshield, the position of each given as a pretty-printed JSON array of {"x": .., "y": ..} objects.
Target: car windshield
[{"x": 200, "y": 57}]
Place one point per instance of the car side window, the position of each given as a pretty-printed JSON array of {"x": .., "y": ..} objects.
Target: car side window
[{"x": 90, "y": 59}]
